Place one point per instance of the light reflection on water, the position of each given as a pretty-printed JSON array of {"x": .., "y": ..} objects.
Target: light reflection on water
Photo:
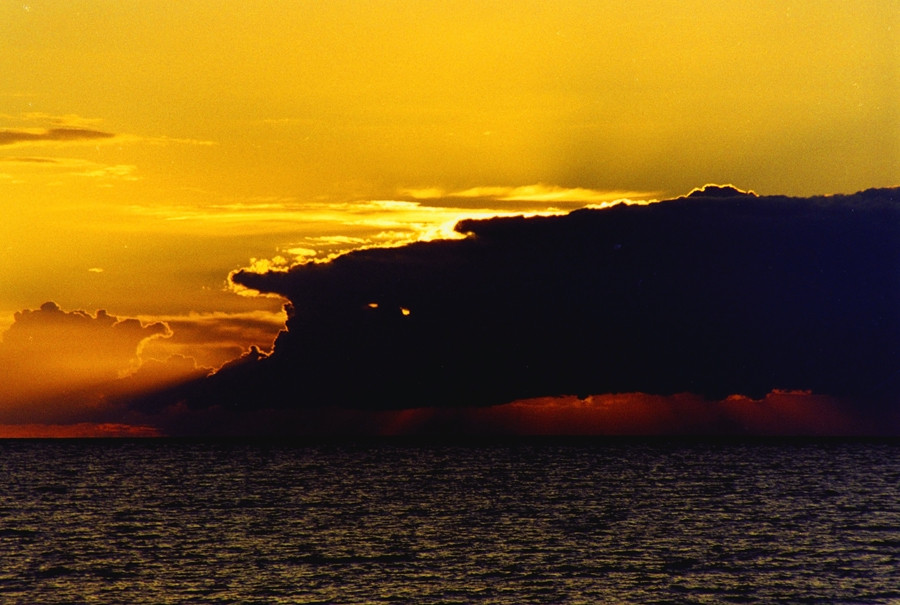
[{"x": 529, "y": 521}]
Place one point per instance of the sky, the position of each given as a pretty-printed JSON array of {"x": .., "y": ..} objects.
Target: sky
[{"x": 149, "y": 151}]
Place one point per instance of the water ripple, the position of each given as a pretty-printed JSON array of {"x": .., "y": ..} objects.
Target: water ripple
[{"x": 399, "y": 522}]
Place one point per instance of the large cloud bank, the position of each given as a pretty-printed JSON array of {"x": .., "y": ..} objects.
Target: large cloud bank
[{"x": 715, "y": 294}]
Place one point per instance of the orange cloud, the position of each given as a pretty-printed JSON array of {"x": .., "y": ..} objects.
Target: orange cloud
[
  {"x": 780, "y": 413},
  {"x": 793, "y": 412},
  {"x": 59, "y": 365},
  {"x": 74, "y": 374},
  {"x": 75, "y": 344}
]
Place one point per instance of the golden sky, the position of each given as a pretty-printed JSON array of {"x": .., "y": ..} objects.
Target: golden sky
[{"x": 147, "y": 149}]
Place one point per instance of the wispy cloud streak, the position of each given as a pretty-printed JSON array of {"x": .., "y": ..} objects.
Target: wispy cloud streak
[
  {"x": 538, "y": 192},
  {"x": 28, "y": 136}
]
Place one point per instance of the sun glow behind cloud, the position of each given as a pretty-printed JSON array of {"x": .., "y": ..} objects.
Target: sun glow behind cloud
[
  {"x": 162, "y": 148},
  {"x": 539, "y": 192},
  {"x": 430, "y": 214},
  {"x": 147, "y": 117}
]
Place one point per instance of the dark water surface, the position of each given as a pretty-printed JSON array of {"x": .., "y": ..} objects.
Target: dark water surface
[{"x": 528, "y": 521}]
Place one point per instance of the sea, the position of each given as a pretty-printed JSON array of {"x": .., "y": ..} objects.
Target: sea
[{"x": 390, "y": 520}]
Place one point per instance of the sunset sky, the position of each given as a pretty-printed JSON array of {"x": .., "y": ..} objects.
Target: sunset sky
[{"x": 149, "y": 150}]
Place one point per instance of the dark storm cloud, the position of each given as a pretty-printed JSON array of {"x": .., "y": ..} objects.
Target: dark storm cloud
[
  {"x": 715, "y": 294},
  {"x": 12, "y": 136}
]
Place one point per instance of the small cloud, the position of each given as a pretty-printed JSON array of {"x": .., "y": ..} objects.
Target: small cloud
[
  {"x": 45, "y": 128},
  {"x": 95, "y": 270},
  {"x": 302, "y": 252},
  {"x": 423, "y": 193},
  {"x": 26, "y": 167},
  {"x": 29, "y": 160},
  {"x": 166, "y": 140},
  {"x": 112, "y": 171},
  {"x": 70, "y": 120},
  {"x": 276, "y": 263},
  {"x": 340, "y": 240},
  {"x": 50, "y": 135}
]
